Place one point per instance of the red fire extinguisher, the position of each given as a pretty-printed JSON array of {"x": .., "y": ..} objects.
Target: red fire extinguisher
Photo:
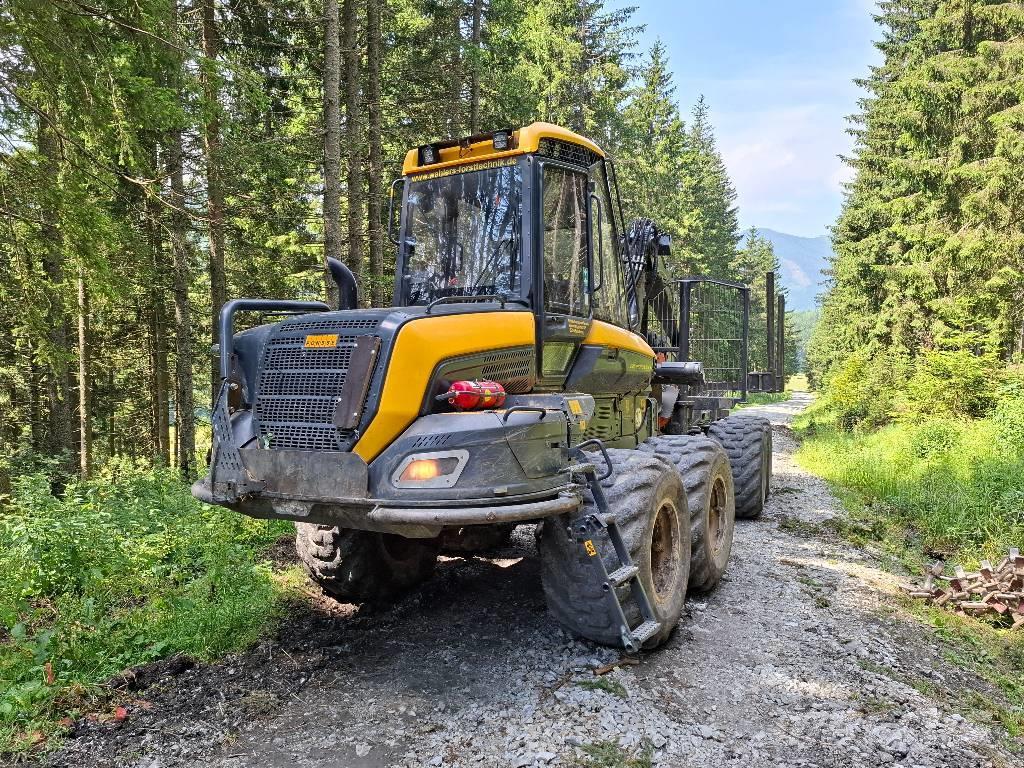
[{"x": 474, "y": 395}]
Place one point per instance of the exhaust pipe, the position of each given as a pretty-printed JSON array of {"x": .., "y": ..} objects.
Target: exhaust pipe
[{"x": 346, "y": 282}]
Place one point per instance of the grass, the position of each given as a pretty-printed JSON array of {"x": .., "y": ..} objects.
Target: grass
[
  {"x": 936, "y": 489},
  {"x": 941, "y": 488},
  {"x": 762, "y": 398},
  {"x": 608, "y": 754},
  {"x": 994, "y": 655},
  {"x": 606, "y": 684},
  {"x": 116, "y": 572},
  {"x": 795, "y": 383}
]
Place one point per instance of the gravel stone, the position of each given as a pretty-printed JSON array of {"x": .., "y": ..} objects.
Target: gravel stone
[{"x": 797, "y": 659}]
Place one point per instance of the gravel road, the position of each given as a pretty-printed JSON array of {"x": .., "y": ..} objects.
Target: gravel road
[{"x": 798, "y": 659}]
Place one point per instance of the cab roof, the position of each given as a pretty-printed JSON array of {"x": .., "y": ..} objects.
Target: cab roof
[{"x": 526, "y": 140}]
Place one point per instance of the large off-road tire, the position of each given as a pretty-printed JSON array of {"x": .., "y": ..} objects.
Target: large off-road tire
[
  {"x": 748, "y": 442},
  {"x": 646, "y": 495},
  {"x": 476, "y": 538},
  {"x": 363, "y": 566},
  {"x": 704, "y": 466}
]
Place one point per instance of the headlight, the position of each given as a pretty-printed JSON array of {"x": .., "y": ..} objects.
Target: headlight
[{"x": 430, "y": 470}]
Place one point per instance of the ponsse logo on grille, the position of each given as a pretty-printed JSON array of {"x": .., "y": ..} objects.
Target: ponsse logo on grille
[{"x": 321, "y": 341}]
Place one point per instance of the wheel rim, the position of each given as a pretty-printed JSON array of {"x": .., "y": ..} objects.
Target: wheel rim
[
  {"x": 716, "y": 513},
  {"x": 665, "y": 552}
]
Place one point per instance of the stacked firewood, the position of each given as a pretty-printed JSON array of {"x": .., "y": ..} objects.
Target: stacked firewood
[{"x": 992, "y": 592}]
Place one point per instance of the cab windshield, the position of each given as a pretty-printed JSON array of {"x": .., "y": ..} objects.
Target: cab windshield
[{"x": 463, "y": 235}]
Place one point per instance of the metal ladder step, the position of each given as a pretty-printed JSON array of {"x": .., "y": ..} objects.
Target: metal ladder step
[
  {"x": 646, "y": 631},
  {"x": 584, "y": 529},
  {"x": 620, "y": 576}
]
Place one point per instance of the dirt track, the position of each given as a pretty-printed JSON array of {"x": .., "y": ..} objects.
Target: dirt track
[{"x": 797, "y": 659}]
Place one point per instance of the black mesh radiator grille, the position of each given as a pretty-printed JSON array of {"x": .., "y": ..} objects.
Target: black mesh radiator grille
[
  {"x": 299, "y": 387},
  {"x": 513, "y": 369}
]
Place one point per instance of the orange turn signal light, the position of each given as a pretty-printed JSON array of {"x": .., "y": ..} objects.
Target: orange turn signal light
[{"x": 422, "y": 469}]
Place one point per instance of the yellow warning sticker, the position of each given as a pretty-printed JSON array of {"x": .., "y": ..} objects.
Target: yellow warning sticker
[
  {"x": 321, "y": 341},
  {"x": 575, "y": 407},
  {"x": 577, "y": 327},
  {"x": 591, "y": 549}
]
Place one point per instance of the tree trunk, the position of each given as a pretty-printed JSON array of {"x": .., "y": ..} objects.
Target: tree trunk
[
  {"x": 582, "y": 99},
  {"x": 158, "y": 332},
  {"x": 84, "y": 390},
  {"x": 184, "y": 405},
  {"x": 214, "y": 191},
  {"x": 34, "y": 405},
  {"x": 968, "y": 38},
  {"x": 332, "y": 143},
  {"x": 456, "y": 75},
  {"x": 374, "y": 54},
  {"x": 161, "y": 383},
  {"x": 113, "y": 445},
  {"x": 474, "y": 76},
  {"x": 353, "y": 139},
  {"x": 60, "y": 432}
]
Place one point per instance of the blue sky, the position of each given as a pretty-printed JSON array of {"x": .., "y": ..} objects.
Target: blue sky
[{"x": 777, "y": 75}]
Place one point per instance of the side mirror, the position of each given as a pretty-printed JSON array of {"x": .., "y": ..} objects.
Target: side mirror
[{"x": 664, "y": 244}]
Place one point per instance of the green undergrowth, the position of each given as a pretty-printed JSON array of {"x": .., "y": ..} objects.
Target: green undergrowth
[
  {"x": 935, "y": 488},
  {"x": 115, "y": 572},
  {"x": 996, "y": 656},
  {"x": 943, "y": 488},
  {"x": 763, "y": 398},
  {"x": 606, "y": 684}
]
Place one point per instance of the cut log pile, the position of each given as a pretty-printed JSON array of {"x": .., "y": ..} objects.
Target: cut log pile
[{"x": 993, "y": 593}]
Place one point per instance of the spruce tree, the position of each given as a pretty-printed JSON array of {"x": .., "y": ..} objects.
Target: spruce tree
[
  {"x": 929, "y": 245},
  {"x": 711, "y": 235}
]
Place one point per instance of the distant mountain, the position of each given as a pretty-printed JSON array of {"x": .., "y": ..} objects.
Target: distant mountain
[{"x": 803, "y": 260}]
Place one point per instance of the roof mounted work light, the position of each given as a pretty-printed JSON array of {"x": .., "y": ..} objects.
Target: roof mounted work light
[
  {"x": 429, "y": 154},
  {"x": 502, "y": 140}
]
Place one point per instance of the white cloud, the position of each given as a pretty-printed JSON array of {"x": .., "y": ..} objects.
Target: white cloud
[
  {"x": 779, "y": 112},
  {"x": 785, "y": 165}
]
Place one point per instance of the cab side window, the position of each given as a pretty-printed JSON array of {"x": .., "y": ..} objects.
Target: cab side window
[
  {"x": 566, "y": 275},
  {"x": 609, "y": 298}
]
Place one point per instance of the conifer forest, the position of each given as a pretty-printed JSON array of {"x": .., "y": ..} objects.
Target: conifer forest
[{"x": 159, "y": 158}]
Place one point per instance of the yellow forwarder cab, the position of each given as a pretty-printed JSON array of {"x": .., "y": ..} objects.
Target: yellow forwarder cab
[{"x": 510, "y": 383}]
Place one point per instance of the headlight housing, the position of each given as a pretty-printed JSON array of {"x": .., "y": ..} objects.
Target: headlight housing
[{"x": 440, "y": 469}]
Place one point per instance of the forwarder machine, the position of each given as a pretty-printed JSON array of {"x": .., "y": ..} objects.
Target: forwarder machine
[{"x": 513, "y": 381}]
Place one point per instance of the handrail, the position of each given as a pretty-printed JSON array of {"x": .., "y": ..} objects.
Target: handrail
[
  {"x": 714, "y": 280},
  {"x": 391, "y": 210},
  {"x": 230, "y": 309},
  {"x": 600, "y": 243},
  {"x": 499, "y": 297}
]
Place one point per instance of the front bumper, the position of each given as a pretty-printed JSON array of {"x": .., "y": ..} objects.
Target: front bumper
[
  {"x": 518, "y": 472},
  {"x": 565, "y": 502},
  {"x": 373, "y": 515}
]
